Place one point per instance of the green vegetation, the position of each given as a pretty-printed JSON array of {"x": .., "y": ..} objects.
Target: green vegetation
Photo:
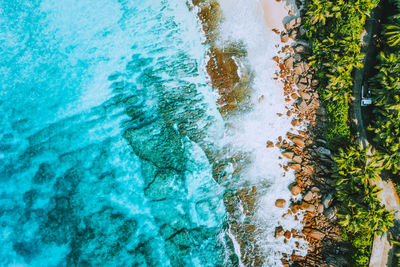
[
  {"x": 393, "y": 31},
  {"x": 361, "y": 213},
  {"x": 396, "y": 255},
  {"x": 334, "y": 29},
  {"x": 385, "y": 88}
]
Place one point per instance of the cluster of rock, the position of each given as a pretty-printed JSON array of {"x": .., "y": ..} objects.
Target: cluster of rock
[{"x": 307, "y": 155}]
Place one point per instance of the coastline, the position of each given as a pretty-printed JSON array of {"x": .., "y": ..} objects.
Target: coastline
[
  {"x": 302, "y": 148},
  {"x": 307, "y": 150}
]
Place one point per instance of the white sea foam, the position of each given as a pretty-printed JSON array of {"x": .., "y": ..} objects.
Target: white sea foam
[
  {"x": 236, "y": 247},
  {"x": 249, "y": 131}
]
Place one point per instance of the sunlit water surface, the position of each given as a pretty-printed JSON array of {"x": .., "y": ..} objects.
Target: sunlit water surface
[{"x": 101, "y": 102}]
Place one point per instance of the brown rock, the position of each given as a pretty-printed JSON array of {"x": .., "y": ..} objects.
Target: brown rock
[
  {"x": 279, "y": 231},
  {"x": 284, "y": 38},
  {"x": 296, "y": 78},
  {"x": 280, "y": 203},
  {"x": 301, "y": 68},
  {"x": 289, "y": 63},
  {"x": 315, "y": 234},
  {"x": 270, "y": 144},
  {"x": 288, "y": 234},
  {"x": 276, "y": 59},
  {"x": 298, "y": 70},
  {"x": 320, "y": 208},
  {"x": 300, "y": 49},
  {"x": 303, "y": 87},
  {"x": 307, "y": 207},
  {"x": 297, "y": 159},
  {"x": 292, "y": 24},
  {"x": 310, "y": 208},
  {"x": 276, "y": 31},
  {"x": 308, "y": 170},
  {"x": 315, "y": 189},
  {"x": 288, "y": 155},
  {"x": 295, "y": 190},
  {"x": 305, "y": 96},
  {"x": 304, "y": 66},
  {"x": 299, "y": 142},
  {"x": 314, "y": 83},
  {"x": 293, "y": 34},
  {"x": 314, "y": 104},
  {"x": 303, "y": 133},
  {"x": 303, "y": 107},
  {"x": 308, "y": 197},
  {"x": 294, "y": 208},
  {"x": 294, "y": 166},
  {"x": 297, "y": 139},
  {"x": 303, "y": 80}
]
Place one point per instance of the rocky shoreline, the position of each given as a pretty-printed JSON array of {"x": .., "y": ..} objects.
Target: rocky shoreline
[
  {"x": 305, "y": 152},
  {"x": 308, "y": 156}
]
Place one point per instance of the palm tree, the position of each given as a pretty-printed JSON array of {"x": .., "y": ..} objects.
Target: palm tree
[
  {"x": 393, "y": 33},
  {"x": 397, "y": 3},
  {"x": 319, "y": 11}
]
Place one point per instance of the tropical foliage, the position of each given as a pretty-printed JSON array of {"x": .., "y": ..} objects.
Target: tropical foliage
[
  {"x": 397, "y": 255},
  {"x": 335, "y": 29},
  {"x": 393, "y": 33},
  {"x": 385, "y": 87},
  {"x": 361, "y": 213},
  {"x": 392, "y": 30}
]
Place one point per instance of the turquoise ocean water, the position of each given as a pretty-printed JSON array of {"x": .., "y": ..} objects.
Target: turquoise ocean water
[{"x": 105, "y": 117}]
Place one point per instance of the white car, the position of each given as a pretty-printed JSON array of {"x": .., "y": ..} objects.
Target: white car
[{"x": 365, "y": 101}]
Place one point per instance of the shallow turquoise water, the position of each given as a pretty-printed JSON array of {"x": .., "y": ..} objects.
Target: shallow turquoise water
[{"x": 106, "y": 114}]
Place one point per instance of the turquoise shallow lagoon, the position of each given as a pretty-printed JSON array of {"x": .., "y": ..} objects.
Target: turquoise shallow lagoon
[
  {"x": 106, "y": 113},
  {"x": 113, "y": 151}
]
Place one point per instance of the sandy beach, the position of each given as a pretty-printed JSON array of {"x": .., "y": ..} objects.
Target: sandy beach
[{"x": 276, "y": 13}]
